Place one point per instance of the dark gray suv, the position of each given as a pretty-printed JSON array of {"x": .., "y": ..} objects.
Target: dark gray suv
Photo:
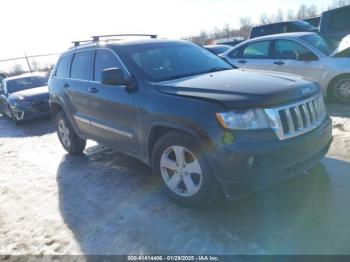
[{"x": 203, "y": 126}]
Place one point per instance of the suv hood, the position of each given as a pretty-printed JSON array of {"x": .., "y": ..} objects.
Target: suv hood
[
  {"x": 242, "y": 89},
  {"x": 31, "y": 94}
]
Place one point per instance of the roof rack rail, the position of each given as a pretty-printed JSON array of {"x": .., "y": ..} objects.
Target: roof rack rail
[
  {"x": 96, "y": 38},
  {"x": 78, "y": 43}
]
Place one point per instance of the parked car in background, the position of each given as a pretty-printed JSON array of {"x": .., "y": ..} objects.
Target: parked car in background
[
  {"x": 203, "y": 126},
  {"x": 305, "y": 54},
  {"x": 217, "y": 49},
  {"x": 281, "y": 27},
  {"x": 24, "y": 97},
  {"x": 1, "y": 85},
  {"x": 335, "y": 25}
]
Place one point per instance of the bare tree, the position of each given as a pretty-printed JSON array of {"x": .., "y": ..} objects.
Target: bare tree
[
  {"x": 312, "y": 11},
  {"x": 35, "y": 65},
  {"x": 279, "y": 16},
  {"x": 339, "y": 3},
  {"x": 290, "y": 14},
  {"x": 217, "y": 32},
  {"x": 245, "y": 26},
  {"x": 17, "y": 69},
  {"x": 264, "y": 19},
  {"x": 203, "y": 37},
  {"x": 302, "y": 12},
  {"x": 227, "y": 31}
]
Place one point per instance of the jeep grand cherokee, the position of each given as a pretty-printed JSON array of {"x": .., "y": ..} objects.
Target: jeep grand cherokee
[{"x": 203, "y": 126}]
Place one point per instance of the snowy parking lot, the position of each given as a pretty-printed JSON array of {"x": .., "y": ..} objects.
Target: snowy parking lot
[{"x": 104, "y": 202}]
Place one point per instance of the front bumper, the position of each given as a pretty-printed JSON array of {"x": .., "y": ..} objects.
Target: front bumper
[
  {"x": 253, "y": 160},
  {"x": 34, "y": 110}
]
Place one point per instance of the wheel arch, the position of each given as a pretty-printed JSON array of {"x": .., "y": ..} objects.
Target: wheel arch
[
  {"x": 57, "y": 106},
  {"x": 159, "y": 128}
]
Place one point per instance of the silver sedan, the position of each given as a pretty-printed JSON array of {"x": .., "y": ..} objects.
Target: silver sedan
[{"x": 305, "y": 54}]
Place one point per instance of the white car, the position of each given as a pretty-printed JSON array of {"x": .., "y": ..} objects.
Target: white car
[{"x": 305, "y": 54}]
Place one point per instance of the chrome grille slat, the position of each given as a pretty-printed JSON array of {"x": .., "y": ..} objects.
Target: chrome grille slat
[
  {"x": 312, "y": 109},
  {"x": 316, "y": 106},
  {"x": 318, "y": 103},
  {"x": 296, "y": 119},
  {"x": 307, "y": 115},
  {"x": 289, "y": 121},
  {"x": 299, "y": 118}
]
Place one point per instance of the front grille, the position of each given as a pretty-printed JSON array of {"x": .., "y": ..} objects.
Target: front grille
[{"x": 295, "y": 119}]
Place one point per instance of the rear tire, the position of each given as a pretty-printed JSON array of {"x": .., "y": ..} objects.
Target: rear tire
[
  {"x": 340, "y": 89},
  {"x": 184, "y": 171},
  {"x": 70, "y": 141}
]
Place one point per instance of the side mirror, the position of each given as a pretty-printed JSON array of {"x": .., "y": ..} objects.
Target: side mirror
[
  {"x": 115, "y": 76},
  {"x": 307, "y": 57}
]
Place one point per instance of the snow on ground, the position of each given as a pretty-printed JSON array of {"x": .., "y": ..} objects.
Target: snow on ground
[{"x": 104, "y": 202}]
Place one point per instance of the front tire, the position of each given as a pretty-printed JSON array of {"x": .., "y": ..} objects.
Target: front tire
[
  {"x": 184, "y": 171},
  {"x": 70, "y": 141},
  {"x": 340, "y": 89}
]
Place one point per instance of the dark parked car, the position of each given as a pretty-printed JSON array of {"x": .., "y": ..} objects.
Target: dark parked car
[
  {"x": 203, "y": 126},
  {"x": 335, "y": 25},
  {"x": 24, "y": 97},
  {"x": 282, "y": 27},
  {"x": 217, "y": 49}
]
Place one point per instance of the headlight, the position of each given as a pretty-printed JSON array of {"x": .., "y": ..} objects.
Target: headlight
[{"x": 243, "y": 119}]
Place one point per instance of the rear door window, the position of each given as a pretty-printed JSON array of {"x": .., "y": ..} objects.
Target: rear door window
[
  {"x": 81, "y": 65},
  {"x": 257, "y": 50}
]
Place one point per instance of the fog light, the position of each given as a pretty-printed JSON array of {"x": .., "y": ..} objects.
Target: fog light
[{"x": 251, "y": 161}]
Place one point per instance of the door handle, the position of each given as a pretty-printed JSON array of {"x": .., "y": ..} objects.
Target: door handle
[
  {"x": 279, "y": 63},
  {"x": 93, "y": 90},
  {"x": 242, "y": 61},
  {"x": 65, "y": 85}
]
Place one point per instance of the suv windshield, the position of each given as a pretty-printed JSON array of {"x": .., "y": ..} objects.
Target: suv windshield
[
  {"x": 24, "y": 83},
  {"x": 318, "y": 42},
  {"x": 166, "y": 61}
]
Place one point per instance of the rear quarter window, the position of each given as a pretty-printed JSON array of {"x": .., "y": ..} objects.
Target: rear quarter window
[
  {"x": 63, "y": 67},
  {"x": 237, "y": 53}
]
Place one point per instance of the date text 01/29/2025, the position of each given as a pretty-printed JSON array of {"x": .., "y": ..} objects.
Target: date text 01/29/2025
[{"x": 173, "y": 258}]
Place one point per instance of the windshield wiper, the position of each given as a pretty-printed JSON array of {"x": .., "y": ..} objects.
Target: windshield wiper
[
  {"x": 217, "y": 69},
  {"x": 182, "y": 76}
]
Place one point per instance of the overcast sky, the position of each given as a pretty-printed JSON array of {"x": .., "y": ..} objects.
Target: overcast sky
[{"x": 45, "y": 26}]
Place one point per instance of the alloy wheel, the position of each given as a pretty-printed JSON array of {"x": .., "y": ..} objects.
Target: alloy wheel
[
  {"x": 63, "y": 132},
  {"x": 342, "y": 90},
  {"x": 181, "y": 171}
]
